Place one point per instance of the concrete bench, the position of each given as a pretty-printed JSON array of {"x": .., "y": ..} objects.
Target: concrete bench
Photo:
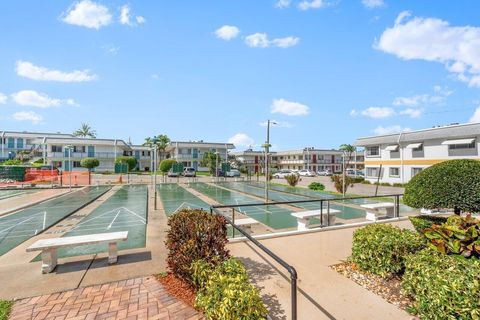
[
  {"x": 49, "y": 246},
  {"x": 246, "y": 224},
  {"x": 303, "y": 217},
  {"x": 373, "y": 209}
]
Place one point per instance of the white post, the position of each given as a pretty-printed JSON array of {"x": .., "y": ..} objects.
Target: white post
[
  {"x": 3, "y": 144},
  {"x": 70, "y": 166},
  {"x": 344, "y": 169}
]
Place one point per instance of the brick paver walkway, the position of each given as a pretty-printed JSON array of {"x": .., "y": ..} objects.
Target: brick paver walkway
[{"x": 140, "y": 298}]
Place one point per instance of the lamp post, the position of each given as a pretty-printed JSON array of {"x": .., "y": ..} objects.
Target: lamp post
[
  {"x": 267, "y": 150},
  {"x": 154, "y": 149},
  {"x": 69, "y": 148},
  {"x": 216, "y": 165}
]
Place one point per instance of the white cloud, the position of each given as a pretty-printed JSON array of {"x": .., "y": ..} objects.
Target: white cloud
[
  {"x": 435, "y": 40},
  {"x": 378, "y": 112},
  {"x": 241, "y": 139},
  {"x": 227, "y": 32},
  {"x": 312, "y": 4},
  {"x": 289, "y": 108},
  {"x": 3, "y": 98},
  {"x": 390, "y": 130},
  {"x": 35, "y": 118},
  {"x": 257, "y": 40},
  {"x": 353, "y": 113},
  {"x": 88, "y": 14},
  {"x": 111, "y": 49},
  {"x": 126, "y": 19},
  {"x": 286, "y": 42},
  {"x": 282, "y": 4},
  {"x": 35, "y": 99},
  {"x": 373, "y": 3},
  {"x": 476, "y": 116},
  {"x": 29, "y": 70},
  {"x": 424, "y": 99},
  {"x": 155, "y": 76},
  {"x": 412, "y": 113}
]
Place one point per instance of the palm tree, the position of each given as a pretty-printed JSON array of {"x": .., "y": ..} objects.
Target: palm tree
[
  {"x": 347, "y": 150},
  {"x": 85, "y": 131},
  {"x": 161, "y": 142}
]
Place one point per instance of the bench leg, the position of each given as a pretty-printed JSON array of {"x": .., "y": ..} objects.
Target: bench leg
[
  {"x": 49, "y": 260},
  {"x": 302, "y": 224},
  {"x": 390, "y": 212},
  {"x": 112, "y": 253},
  {"x": 372, "y": 216}
]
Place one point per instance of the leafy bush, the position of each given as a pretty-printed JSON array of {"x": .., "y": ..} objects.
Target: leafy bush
[
  {"x": 366, "y": 182},
  {"x": 399, "y": 185},
  {"x": 357, "y": 179},
  {"x": 424, "y": 222},
  {"x": 195, "y": 235},
  {"x": 385, "y": 184},
  {"x": 12, "y": 162},
  {"x": 292, "y": 179},
  {"x": 89, "y": 163},
  {"x": 130, "y": 161},
  {"x": 451, "y": 184},
  {"x": 381, "y": 248},
  {"x": 166, "y": 165},
  {"x": 224, "y": 292},
  {"x": 337, "y": 180},
  {"x": 460, "y": 236},
  {"x": 5, "y": 307},
  {"x": 443, "y": 287},
  {"x": 317, "y": 186}
]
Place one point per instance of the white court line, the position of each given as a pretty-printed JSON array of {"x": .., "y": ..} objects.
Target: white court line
[
  {"x": 110, "y": 225},
  {"x": 179, "y": 207},
  {"x": 15, "y": 225}
]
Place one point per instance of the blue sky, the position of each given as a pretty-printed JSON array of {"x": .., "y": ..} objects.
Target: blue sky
[{"x": 326, "y": 71}]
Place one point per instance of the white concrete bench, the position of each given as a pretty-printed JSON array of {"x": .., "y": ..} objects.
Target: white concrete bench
[
  {"x": 49, "y": 246},
  {"x": 303, "y": 217},
  {"x": 373, "y": 209},
  {"x": 246, "y": 224}
]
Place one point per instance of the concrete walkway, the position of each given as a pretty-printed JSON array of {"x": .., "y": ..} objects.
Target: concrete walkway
[
  {"x": 140, "y": 298},
  {"x": 323, "y": 293}
]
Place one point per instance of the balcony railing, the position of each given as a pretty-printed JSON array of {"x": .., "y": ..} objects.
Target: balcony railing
[{"x": 81, "y": 155}]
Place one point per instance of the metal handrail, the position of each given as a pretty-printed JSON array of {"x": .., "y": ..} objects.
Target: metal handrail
[{"x": 289, "y": 268}]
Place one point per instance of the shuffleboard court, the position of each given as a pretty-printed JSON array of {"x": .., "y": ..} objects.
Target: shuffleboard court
[
  {"x": 175, "y": 198},
  {"x": 257, "y": 190},
  {"x": 125, "y": 210},
  {"x": 20, "y": 226},
  {"x": 5, "y": 194},
  {"x": 272, "y": 215}
]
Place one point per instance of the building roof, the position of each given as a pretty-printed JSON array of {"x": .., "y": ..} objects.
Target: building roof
[
  {"x": 446, "y": 132},
  {"x": 25, "y": 134},
  {"x": 88, "y": 141},
  {"x": 202, "y": 143}
]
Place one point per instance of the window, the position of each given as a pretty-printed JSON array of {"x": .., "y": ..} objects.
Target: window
[
  {"x": 19, "y": 143},
  {"x": 416, "y": 171},
  {"x": 373, "y": 172},
  {"x": 373, "y": 151},
  {"x": 462, "y": 146},
  {"x": 394, "y": 172},
  {"x": 56, "y": 148},
  {"x": 76, "y": 164},
  {"x": 78, "y": 148},
  {"x": 321, "y": 157}
]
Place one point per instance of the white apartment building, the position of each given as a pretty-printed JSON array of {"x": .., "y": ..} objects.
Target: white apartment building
[
  {"x": 396, "y": 158},
  {"x": 254, "y": 161},
  {"x": 190, "y": 153}
]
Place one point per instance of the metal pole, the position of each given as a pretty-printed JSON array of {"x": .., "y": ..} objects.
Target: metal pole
[
  {"x": 155, "y": 180},
  {"x": 343, "y": 165},
  {"x": 70, "y": 167},
  {"x": 328, "y": 213},
  {"x": 321, "y": 213},
  {"x": 233, "y": 221},
  {"x": 267, "y": 150},
  {"x": 397, "y": 206}
]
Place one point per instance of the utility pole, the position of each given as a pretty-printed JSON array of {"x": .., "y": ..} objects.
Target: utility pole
[{"x": 267, "y": 150}]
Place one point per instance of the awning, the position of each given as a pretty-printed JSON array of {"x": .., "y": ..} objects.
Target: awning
[
  {"x": 414, "y": 145},
  {"x": 392, "y": 147},
  {"x": 458, "y": 141}
]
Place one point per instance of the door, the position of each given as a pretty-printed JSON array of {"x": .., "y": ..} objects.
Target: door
[{"x": 91, "y": 151}]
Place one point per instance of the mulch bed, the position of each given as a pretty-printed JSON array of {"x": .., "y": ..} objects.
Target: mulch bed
[
  {"x": 178, "y": 288},
  {"x": 389, "y": 288}
]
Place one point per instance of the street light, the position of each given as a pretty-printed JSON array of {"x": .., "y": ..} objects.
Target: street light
[
  {"x": 154, "y": 149},
  {"x": 267, "y": 150},
  {"x": 216, "y": 165},
  {"x": 69, "y": 148}
]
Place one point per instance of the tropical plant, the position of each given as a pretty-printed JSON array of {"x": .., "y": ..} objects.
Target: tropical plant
[
  {"x": 381, "y": 248},
  {"x": 166, "y": 165},
  {"x": 347, "y": 151},
  {"x": 85, "y": 131},
  {"x": 317, "y": 186},
  {"x": 195, "y": 235},
  {"x": 421, "y": 223},
  {"x": 130, "y": 161},
  {"x": 89, "y": 163},
  {"x": 458, "y": 236},
  {"x": 210, "y": 160},
  {"x": 11, "y": 162},
  {"x": 5, "y": 308},
  {"x": 337, "y": 180},
  {"x": 224, "y": 291},
  {"x": 452, "y": 184},
  {"x": 292, "y": 179},
  {"x": 161, "y": 143}
]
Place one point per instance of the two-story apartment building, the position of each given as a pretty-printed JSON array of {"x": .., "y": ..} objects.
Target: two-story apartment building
[
  {"x": 310, "y": 159},
  {"x": 190, "y": 153},
  {"x": 396, "y": 158},
  {"x": 254, "y": 161}
]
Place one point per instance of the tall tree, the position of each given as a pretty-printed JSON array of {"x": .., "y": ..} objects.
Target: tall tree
[
  {"x": 347, "y": 150},
  {"x": 85, "y": 131},
  {"x": 210, "y": 160},
  {"x": 161, "y": 142}
]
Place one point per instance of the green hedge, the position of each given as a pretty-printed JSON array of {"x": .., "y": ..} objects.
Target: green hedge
[
  {"x": 442, "y": 286},
  {"x": 224, "y": 291},
  {"x": 317, "y": 186},
  {"x": 5, "y": 307},
  {"x": 421, "y": 223},
  {"x": 381, "y": 248}
]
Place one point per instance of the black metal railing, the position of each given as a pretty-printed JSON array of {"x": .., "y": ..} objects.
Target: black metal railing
[{"x": 289, "y": 268}]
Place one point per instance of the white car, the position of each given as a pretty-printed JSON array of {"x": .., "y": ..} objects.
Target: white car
[
  {"x": 232, "y": 173},
  {"x": 324, "y": 173},
  {"x": 282, "y": 173},
  {"x": 306, "y": 173}
]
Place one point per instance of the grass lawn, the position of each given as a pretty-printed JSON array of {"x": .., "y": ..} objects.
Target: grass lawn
[
  {"x": 5, "y": 307},
  {"x": 203, "y": 174}
]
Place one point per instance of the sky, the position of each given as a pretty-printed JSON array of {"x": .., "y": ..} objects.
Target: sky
[{"x": 324, "y": 71}]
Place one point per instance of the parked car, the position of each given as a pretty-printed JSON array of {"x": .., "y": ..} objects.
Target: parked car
[
  {"x": 189, "y": 172},
  {"x": 282, "y": 173},
  {"x": 353, "y": 173},
  {"x": 324, "y": 172},
  {"x": 172, "y": 174},
  {"x": 306, "y": 173},
  {"x": 219, "y": 173},
  {"x": 232, "y": 173}
]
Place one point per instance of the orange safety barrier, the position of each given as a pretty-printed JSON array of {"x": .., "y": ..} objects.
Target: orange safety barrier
[{"x": 78, "y": 178}]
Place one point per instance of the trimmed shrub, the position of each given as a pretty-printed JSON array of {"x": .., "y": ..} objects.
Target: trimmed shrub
[
  {"x": 381, "y": 248},
  {"x": 443, "y": 287},
  {"x": 399, "y": 185},
  {"x": 451, "y": 184},
  {"x": 166, "y": 165},
  {"x": 224, "y": 291},
  {"x": 424, "y": 222},
  {"x": 130, "y": 161},
  {"x": 195, "y": 235},
  {"x": 366, "y": 182},
  {"x": 292, "y": 179},
  {"x": 317, "y": 186},
  {"x": 357, "y": 179},
  {"x": 458, "y": 236},
  {"x": 89, "y": 163}
]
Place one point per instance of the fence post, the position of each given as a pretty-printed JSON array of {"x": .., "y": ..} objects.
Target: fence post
[
  {"x": 321, "y": 213},
  {"x": 328, "y": 213},
  {"x": 397, "y": 206},
  {"x": 233, "y": 222}
]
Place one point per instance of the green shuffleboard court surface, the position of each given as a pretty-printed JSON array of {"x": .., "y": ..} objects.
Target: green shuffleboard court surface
[
  {"x": 258, "y": 190},
  {"x": 125, "y": 210},
  {"x": 272, "y": 215},
  {"x": 21, "y": 226},
  {"x": 5, "y": 194},
  {"x": 175, "y": 198}
]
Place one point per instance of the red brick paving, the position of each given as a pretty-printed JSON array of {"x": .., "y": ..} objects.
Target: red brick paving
[{"x": 140, "y": 298}]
